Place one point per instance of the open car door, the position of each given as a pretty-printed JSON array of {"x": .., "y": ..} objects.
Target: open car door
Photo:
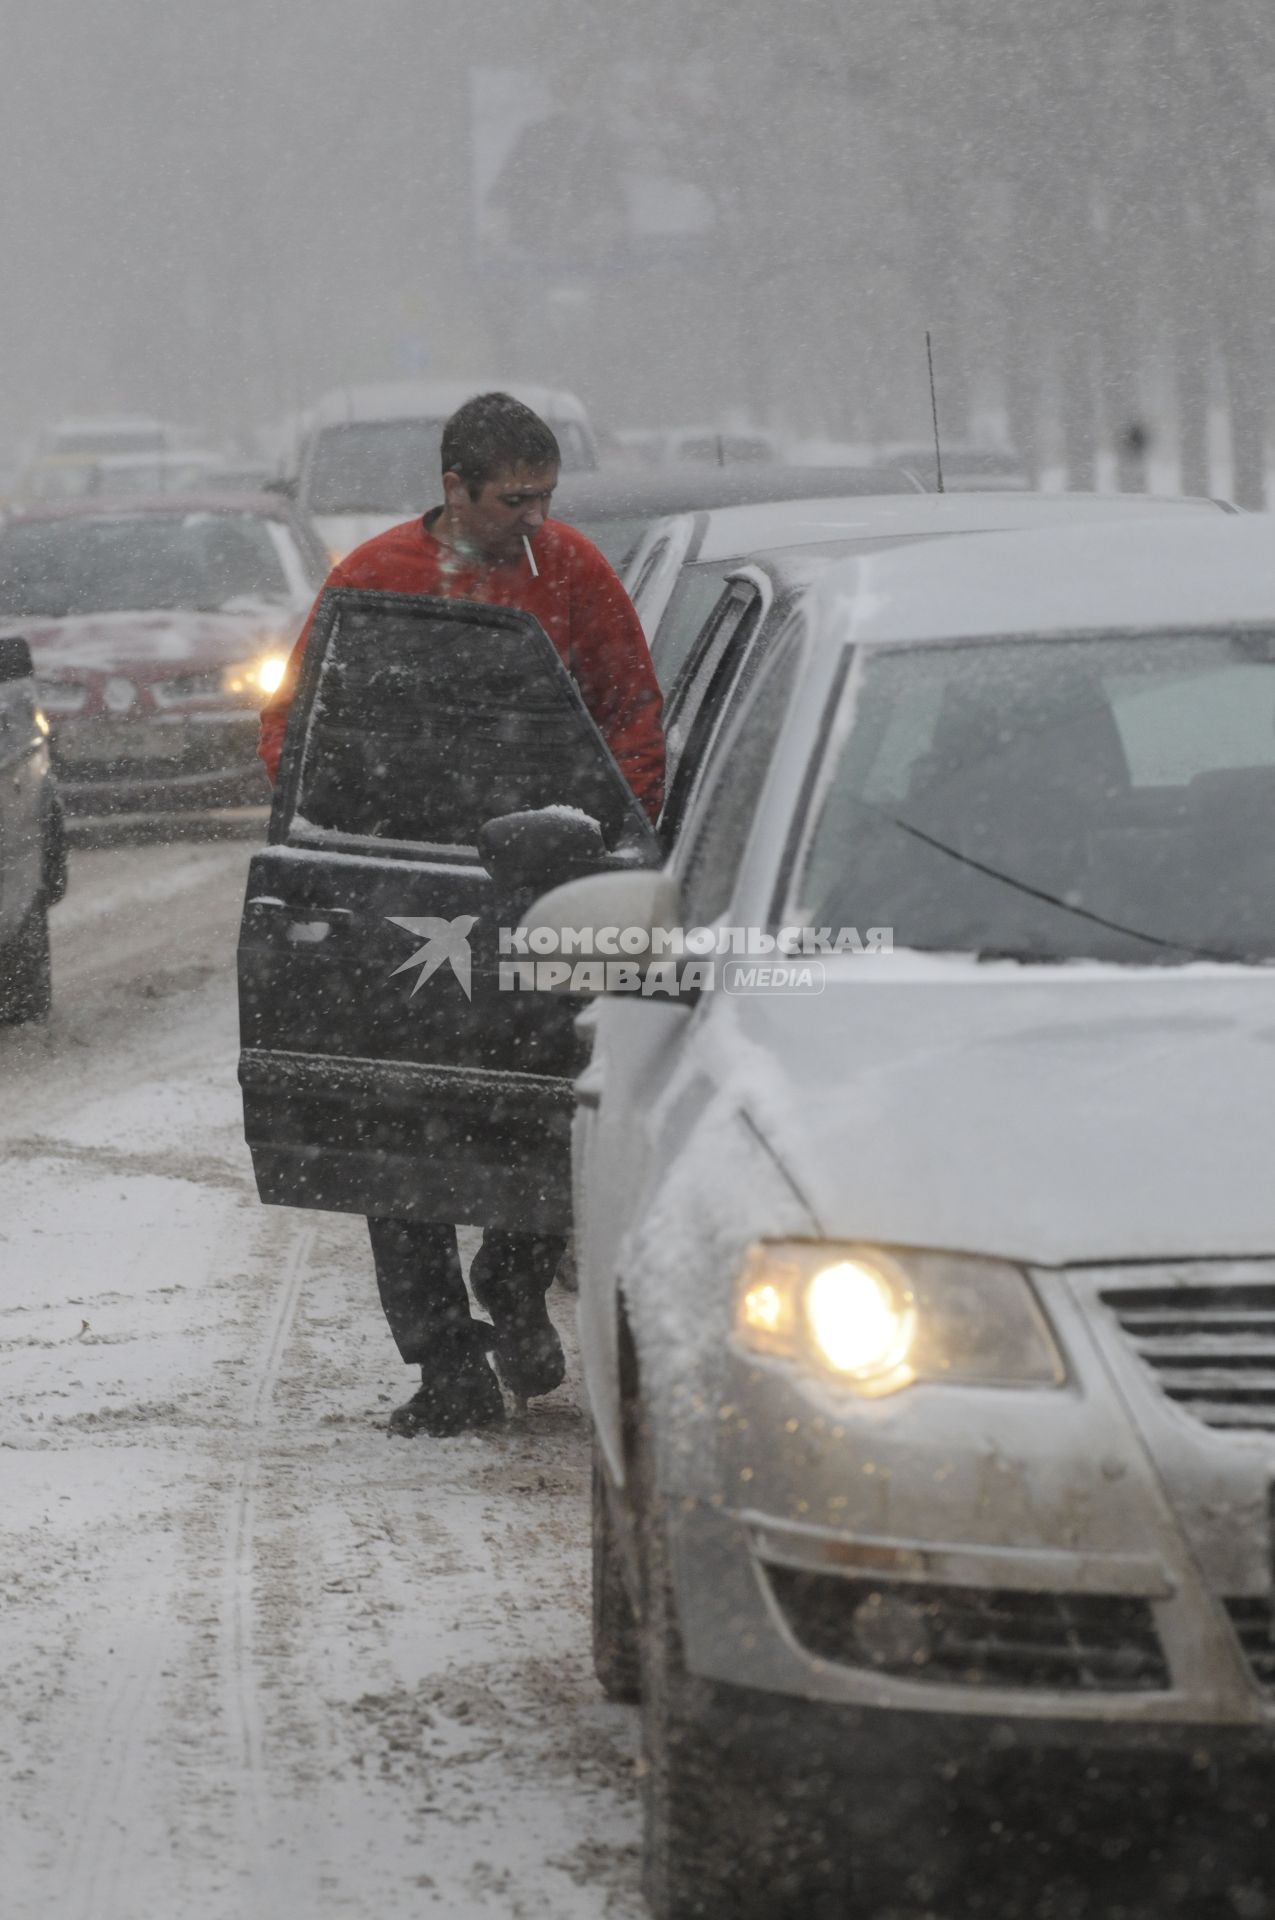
[{"x": 385, "y": 1069}]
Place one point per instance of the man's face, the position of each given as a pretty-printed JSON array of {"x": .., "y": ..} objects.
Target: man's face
[{"x": 511, "y": 506}]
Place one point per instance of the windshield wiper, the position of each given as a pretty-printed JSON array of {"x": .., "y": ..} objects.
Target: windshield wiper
[{"x": 1050, "y": 900}]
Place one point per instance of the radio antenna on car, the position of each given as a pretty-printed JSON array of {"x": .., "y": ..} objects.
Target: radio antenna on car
[{"x": 934, "y": 409}]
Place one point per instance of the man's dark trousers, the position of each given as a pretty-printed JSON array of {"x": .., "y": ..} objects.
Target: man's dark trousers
[{"x": 423, "y": 1290}]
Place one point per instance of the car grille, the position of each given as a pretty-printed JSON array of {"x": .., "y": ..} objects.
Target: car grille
[
  {"x": 1211, "y": 1349},
  {"x": 1254, "y": 1624},
  {"x": 975, "y": 1637}
]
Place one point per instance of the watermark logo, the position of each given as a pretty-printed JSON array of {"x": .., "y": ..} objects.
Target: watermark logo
[
  {"x": 677, "y": 961},
  {"x": 650, "y": 961},
  {"x": 769, "y": 976},
  {"x": 446, "y": 944}
]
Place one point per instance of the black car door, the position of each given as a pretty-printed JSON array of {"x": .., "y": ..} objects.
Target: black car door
[{"x": 390, "y": 1061}]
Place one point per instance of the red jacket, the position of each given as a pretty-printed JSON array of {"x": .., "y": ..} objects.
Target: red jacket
[{"x": 577, "y": 599}]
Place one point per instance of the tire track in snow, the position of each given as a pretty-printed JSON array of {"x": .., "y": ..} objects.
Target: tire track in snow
[
  {"x": 112, "y": 1755},
  {"x": 244, "y": 1720},
  {"x": 113, "y": 1745}
]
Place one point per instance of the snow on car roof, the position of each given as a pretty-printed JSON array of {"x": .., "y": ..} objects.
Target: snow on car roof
[
  {"x": 435, "y": 400},
  {"x": 734, "y": 531},
  {"x": 1154, "y": 572}
]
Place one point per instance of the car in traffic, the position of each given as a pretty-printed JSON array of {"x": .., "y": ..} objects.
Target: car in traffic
[
  {"x": 368, "y": 456},
  {"x": 968, "y": 467},
  {"x": 144, "y": 474},
  {"x": 32, "y": 842},
  {"x": 65, "y": 455},
  {"x": 616, "y": 509},
  {"x": 925, "y": 1246},
  {"x": 695, "y": 446},
  {"x": 158, "y": 630}
]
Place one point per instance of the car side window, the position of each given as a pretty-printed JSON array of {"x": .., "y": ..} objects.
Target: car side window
[
  {"x": 649, "y": 567},
  {"x": 710, "y": 646},
  {"x": 393, "y": 682},
  {"x": 696, "y": 712},
  {"x": 714, "y": 643},
  {"x": 708, "y": 877}
]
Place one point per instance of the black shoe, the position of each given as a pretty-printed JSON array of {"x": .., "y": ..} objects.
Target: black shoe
[
  {"x": 452, "y": 1398},
  {"x": 527, "y": 1350}
]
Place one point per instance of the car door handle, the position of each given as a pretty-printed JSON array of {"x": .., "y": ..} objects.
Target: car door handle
[
  {"x": 306, "y": 926},
  {"x": 310, "y": 933}
]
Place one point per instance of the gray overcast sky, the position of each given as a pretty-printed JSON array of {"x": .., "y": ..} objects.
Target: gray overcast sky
[{"x": 214, "y": 211}]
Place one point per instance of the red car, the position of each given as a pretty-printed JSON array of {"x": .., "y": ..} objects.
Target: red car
[{"x": 158, "y": 628}]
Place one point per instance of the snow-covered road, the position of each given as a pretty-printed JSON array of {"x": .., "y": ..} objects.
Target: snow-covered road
[{"x": 255, "y": 1658}]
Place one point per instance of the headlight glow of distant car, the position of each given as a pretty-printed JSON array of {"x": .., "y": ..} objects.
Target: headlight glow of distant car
[
  {"x": 260, "y": 677},
  {"x": 877, "y": 1321}
]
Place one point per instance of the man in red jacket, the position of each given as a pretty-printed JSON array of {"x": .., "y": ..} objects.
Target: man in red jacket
[{"x": 492, "y": 541}]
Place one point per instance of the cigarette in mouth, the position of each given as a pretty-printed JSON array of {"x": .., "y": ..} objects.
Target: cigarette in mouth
[{"x": 531, "y": 558}]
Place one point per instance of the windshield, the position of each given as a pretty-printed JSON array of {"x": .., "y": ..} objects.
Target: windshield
[
  {"x": 206, "y": 560},
  {"x": 1109, "y": 799},
  {"x": 393, "y": 466},
  {"x": 387, "y": 466},
  {"x": 614, "y": 538}
]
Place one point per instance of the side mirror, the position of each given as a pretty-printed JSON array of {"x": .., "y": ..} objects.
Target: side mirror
[
  {"x": 585, "y": 918},
  {"x": 532, "y": 851},
  {"x": 15, "y": 658},
  {"x": 285, "y": 484}
]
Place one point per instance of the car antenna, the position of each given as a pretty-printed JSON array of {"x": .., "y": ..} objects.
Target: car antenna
[{"x": 934, "y": 409}]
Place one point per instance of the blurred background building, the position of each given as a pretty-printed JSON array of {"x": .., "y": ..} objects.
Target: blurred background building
[{"x": 733, "y": 213}]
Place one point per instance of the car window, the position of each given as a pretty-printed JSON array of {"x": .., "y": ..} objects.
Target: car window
[
  {"x": 721, "y": 833},
  {"x": 698, "y": 712},
  {"x": 573, "y": 445},
  {"x": 396, "y": 681},
  {"x": 137, "y": 564},
  {"x": 724, "y": 449},
  {"x": 616, "y": 537},
  {"x": 712, "y": 644},
  {"x": 1108, "y": 798},
  {"x": 650, "y": 566},
  {"x": 691, "y": 602},
  {"x": 374, "y": 466}
]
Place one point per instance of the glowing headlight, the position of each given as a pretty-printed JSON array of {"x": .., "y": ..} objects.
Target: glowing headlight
[
  {"x": 877, "y": 1321},
  {"x": 860, "y": 1319},
  {"x": 270, "y": 672},
  {"x": 260, "y": 677}
]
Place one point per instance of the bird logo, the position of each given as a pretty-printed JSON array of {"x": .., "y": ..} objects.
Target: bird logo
[{"x": 445, "y": 941}]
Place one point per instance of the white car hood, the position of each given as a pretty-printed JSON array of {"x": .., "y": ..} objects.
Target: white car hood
[{"x": 1082, "y": 1115}]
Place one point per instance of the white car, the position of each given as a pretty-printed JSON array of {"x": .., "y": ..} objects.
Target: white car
[
  {"x": 695, "y": 446},
  {"x": 369, "y": 456},
  {"x": 927, "y": 1291}
]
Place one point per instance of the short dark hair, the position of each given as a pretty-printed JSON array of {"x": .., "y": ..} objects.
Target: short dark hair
[{"x": 494, "y": 433}]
